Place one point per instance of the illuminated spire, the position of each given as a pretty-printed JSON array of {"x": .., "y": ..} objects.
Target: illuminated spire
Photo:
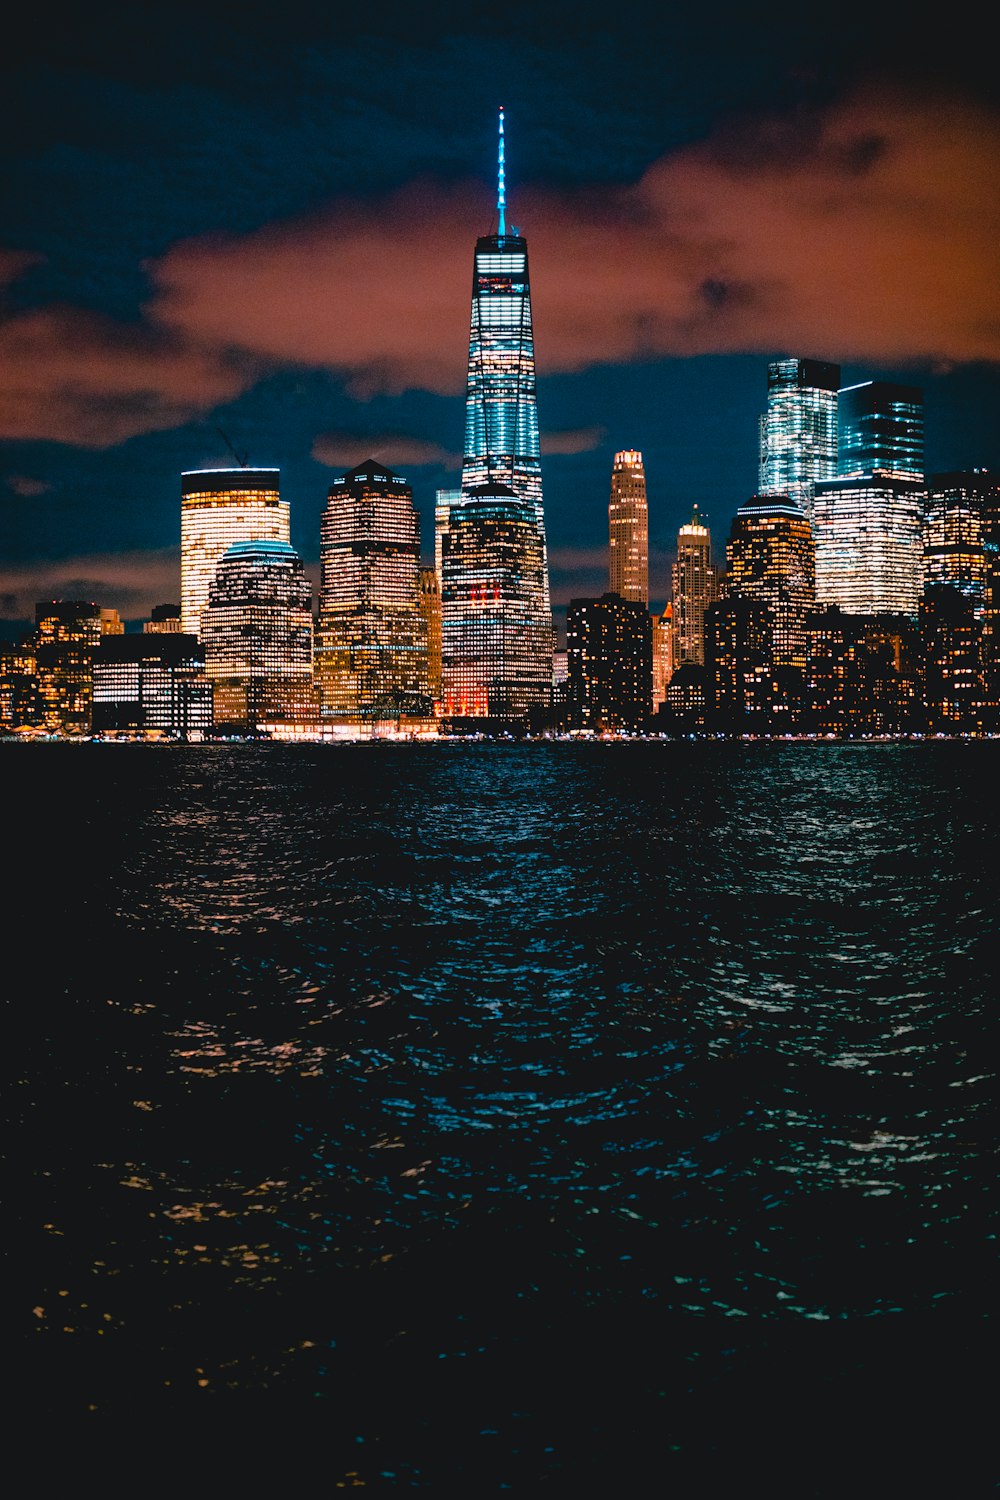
[{"x": 501, "y": 190}]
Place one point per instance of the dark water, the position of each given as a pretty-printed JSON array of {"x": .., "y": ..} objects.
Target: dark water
[{"x": 535, "y": 1116}]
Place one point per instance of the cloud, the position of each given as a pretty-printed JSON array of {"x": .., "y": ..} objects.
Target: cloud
[
  {"x": 573, "y": 440},
  {"x": 76, "y": 377},
  {"x": 23, "y": 484},
  {"x": 344, "y": 450},
  {"x": 131, "y": 582},
  {"x": 864, "y": 234}
]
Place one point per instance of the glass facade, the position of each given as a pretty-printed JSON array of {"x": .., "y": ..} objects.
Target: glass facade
[
  {"x": 496, "y": 631},
  {"x": 501, "y": 410},
  {"x": 371, "y": 658},
  {"x": 880, "y": 429},
  {"x": 495, "y": 531},
  {"x": 798, "y": 431},
  {"x": 694, "y": 588},
  {"x": 628, "y": 528},
  {"x": 771, "y": 558},
  {"x": 257, "y": 634},
  {"x": 220, "y": 507},
  {"x": 868, "y": 544}
]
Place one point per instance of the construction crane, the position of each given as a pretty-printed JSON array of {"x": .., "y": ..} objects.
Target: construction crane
[{"x": 241, "y": 458}]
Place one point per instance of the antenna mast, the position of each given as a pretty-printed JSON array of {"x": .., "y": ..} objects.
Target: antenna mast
[{"x": 501, "y": 189}]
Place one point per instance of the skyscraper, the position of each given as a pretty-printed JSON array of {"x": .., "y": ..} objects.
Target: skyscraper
[
  {"x": 866, "y": 522},
  {"x": 152, "y": 681},
  {"x": 496, "y": 635},
  {"x": 880, "y": 429},
  {"x": 954, "y": 534},
  {"x": 694, "y": 588},
  {"x": 257, "y": 635},
  {"x": 371, "y": 658},
  {"x": 67, "y": 633},
  {"x": 502, "y": 602},
  {"x": 430, "y": 609},
  {"x": 798, "y": 431},
  {"x": 220, "y": 507},
  {"x": 868, "y": 552},
  {"x": 771, "y": 559},
  {"x": 628, "y": 529}
]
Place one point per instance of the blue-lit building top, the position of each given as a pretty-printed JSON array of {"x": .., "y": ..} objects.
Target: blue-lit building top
[
  {"x": 880, "y": 429},
  {"x": 798, "y": 431},
  {"x": 501, "y": 411}
]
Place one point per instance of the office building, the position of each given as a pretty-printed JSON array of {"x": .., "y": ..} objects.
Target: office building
[
  {"x": 880, "y": 429},
  {"x": 218, "y": 508},
  {"x": 628, "y": 529},
  {"x": 496, "y": 633},
  {"x": 19, "y": 702},
  {"x": 798, "y": 431},
  {"x": 430, "y": 610},
  {"x": 67, "y": 633},
  {"x": 867, "y": 532},
  {"x": 500, "y": 606},
  {"x": 663, "y": 653},
  {"x": 609, "y": 653},
  {"x": 951, "y": 643},
  {"x": 957, "y": 533},
  {"x": 153, "y": 682},
  {"x": 694, "y": 588},
  {"x": 371, "y": 657},
  {"x": 258, "y": 638},
  {"x": 770, "y": 558},
  {"x": 164, "y": 619},
  {"x": 740, "y": 674}
]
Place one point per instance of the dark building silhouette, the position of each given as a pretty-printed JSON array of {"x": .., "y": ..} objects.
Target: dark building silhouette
[
  {"x": 738, "y": 656},
  {"x": 951, "y": 642},
  {"x": 609, "y": 647}
]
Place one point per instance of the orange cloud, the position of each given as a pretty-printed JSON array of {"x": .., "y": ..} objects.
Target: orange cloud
[
  {"x": 23, "y": 484},
  {"x": 869, "y": 234},
  {"x": 131, "y": 582},
  {"x": 76, "y": 377},
  {"x": 344, "y": 450},
  {"x": 866, "y": 235}
]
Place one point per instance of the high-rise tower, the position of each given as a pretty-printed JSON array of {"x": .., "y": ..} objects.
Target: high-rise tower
[
  {"x": 628, "y": 529},
  {"x": 497, "y": 554},
  {"x": 371, "y": 657},
  {"x": 866, "y": 522},
  {"x": 694, "y": 587},
  {"x": 220, "y": 507},
  {"x": 798, "y": 431},
  {"x": 771, "y": 560}
]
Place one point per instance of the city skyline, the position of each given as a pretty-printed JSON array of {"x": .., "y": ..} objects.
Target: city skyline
[{"x": 244, "y": 256}]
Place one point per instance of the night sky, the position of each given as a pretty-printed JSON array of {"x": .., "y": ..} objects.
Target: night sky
[{"x": 261, "y": 218}]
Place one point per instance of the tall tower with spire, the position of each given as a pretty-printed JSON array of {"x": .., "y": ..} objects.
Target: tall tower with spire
[
  {"x": 628, "y": 528},
  {"x": 495, "y": 612}
]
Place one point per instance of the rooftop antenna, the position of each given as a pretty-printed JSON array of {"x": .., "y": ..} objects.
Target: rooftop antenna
[
  {"x": 241, "y": 458},
  {"x": 501, "y": 190}
]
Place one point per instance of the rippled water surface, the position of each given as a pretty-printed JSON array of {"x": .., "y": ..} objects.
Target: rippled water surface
[{"x": 536, "y": 1112}]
